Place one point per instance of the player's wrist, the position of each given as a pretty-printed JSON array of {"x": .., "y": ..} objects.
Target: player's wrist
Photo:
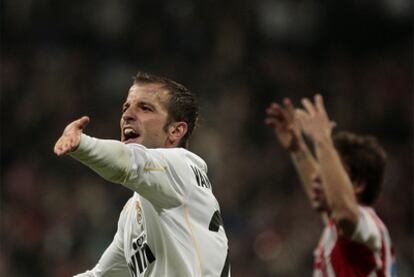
[
  {"x": 84, "y": 144},
  {"x": 323, "y": 139},
  {"x": 297, "y": 146},
  {"x": 298, "y": 155}
]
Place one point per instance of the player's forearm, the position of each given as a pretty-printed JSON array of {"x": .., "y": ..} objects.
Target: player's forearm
[
  {"x": 109, "y": 158},
  {"x": 337, "y": 185},
  {"x": 305, "y": 166}
]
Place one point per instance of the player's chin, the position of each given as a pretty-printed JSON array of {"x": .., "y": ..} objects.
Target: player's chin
[
  {"x": 131, "y": 140},
  {"x": 317, "y": 206}
]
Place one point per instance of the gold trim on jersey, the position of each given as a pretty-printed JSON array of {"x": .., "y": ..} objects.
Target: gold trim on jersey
[
  {"x": 139, "y": 212},
  {"x": 194, "y": 238},
  {"x": 148, "y": 169}
]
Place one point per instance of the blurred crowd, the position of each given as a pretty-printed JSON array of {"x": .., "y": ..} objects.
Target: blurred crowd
[{"x": 61, "y": 60}]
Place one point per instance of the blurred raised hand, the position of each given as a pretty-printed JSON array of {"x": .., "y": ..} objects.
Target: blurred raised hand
[
  {"x": 314, "y": 120},
  {"x": 283, "y": 121}
]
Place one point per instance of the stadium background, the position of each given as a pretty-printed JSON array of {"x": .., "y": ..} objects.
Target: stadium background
[{"x": 64, "y": 59}]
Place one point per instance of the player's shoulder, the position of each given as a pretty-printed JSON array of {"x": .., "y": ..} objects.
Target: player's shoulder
[
  {"x": 174, "y": 155},
  {"x": 368, "y": 229},
  {"x": 368, "y": 221},
  {"x": 183, "y": 155},
  {"x": 370, "y": 215}
]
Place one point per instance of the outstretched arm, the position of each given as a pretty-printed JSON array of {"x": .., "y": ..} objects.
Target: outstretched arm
[
  {"x": 287, "y": 130},
  {"x": 336, "y": 182},
  {"x": 121, "y": 164},
  {"x": 109, "y": 158}
]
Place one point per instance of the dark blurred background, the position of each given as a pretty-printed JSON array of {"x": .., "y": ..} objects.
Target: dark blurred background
[{"x": 64, "y": 59}]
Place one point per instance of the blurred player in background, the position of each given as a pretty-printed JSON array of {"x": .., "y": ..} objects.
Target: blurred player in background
[
  {"x": 342, "y": 183},
  {"x": 171, "y": 226}
]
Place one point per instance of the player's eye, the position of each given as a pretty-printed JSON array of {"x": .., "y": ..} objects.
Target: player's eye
[{"x": 146, "y": 108}]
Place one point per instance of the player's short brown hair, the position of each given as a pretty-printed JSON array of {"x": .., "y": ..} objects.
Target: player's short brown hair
[
  {"x": 365, "y": 160},
  {"x": 182, "y": 105}
]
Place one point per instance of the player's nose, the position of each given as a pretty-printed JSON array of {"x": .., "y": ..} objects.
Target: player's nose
[
  {"x": 316, "y": 178},
  {"x": 128, "y": 115}
]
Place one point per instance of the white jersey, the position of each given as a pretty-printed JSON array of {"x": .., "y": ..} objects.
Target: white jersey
[{"x": 171, "y": 226}]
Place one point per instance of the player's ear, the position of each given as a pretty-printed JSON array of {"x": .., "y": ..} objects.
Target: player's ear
[
  {"x": 176, "y": 131},
  {"x": 359, "y": 187}
]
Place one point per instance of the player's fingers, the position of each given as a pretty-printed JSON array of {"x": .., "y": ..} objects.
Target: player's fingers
[
  {"x": 82, "y": 122},
  {"x": 273, "y": 107},
  {"x": 319, "y": 103},
  {"x": 307, "y": 104},
  {"x": 301, "y": 114},
  {"x": 289, "y": 108},
  {"x": 60, "y": 150},
  {"x": 272, "y": 122},
  {"x": 285, "y": 115},
  {"x": 270, "y": 111},
  {"x": 56, "y": 149},
  {"x": 75, "y": 125},
  {"x": 275, "y": 111},
  {"x": 64, "y": 145},
  {"x": 58, "y": 146},
  {"x": 278, "y": 112},
  {"x": 302, "y": 118}
]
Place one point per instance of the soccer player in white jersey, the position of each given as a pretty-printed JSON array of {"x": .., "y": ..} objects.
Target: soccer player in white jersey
[
  {"x": 171, "y": 226},
  {"x": 342, "y": 182}
]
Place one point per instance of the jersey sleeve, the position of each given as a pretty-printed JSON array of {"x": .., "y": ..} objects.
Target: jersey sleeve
[
  {"x": 367, "y": 232},
  {"x": 158, "y": 175},
  {"x": 109, "y": 158}
]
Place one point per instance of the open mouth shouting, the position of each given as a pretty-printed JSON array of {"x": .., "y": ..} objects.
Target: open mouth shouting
[{"x": 129, "y": 135}]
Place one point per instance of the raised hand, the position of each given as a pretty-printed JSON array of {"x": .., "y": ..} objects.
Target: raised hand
[
  {"x": 70, "y": 139},
  {"x": 314, "y": 120},
  {"x": 284, "y": 124}
]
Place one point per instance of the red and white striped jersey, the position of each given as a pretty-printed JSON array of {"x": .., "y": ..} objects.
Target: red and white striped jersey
[{"x": 368, "y": 253}]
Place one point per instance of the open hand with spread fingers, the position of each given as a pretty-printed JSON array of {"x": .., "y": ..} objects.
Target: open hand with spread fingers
[
  {"x": 282, "y": 119},
  {"x": 70, "y": 139},
  {"x": 314, "y": 120}
]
